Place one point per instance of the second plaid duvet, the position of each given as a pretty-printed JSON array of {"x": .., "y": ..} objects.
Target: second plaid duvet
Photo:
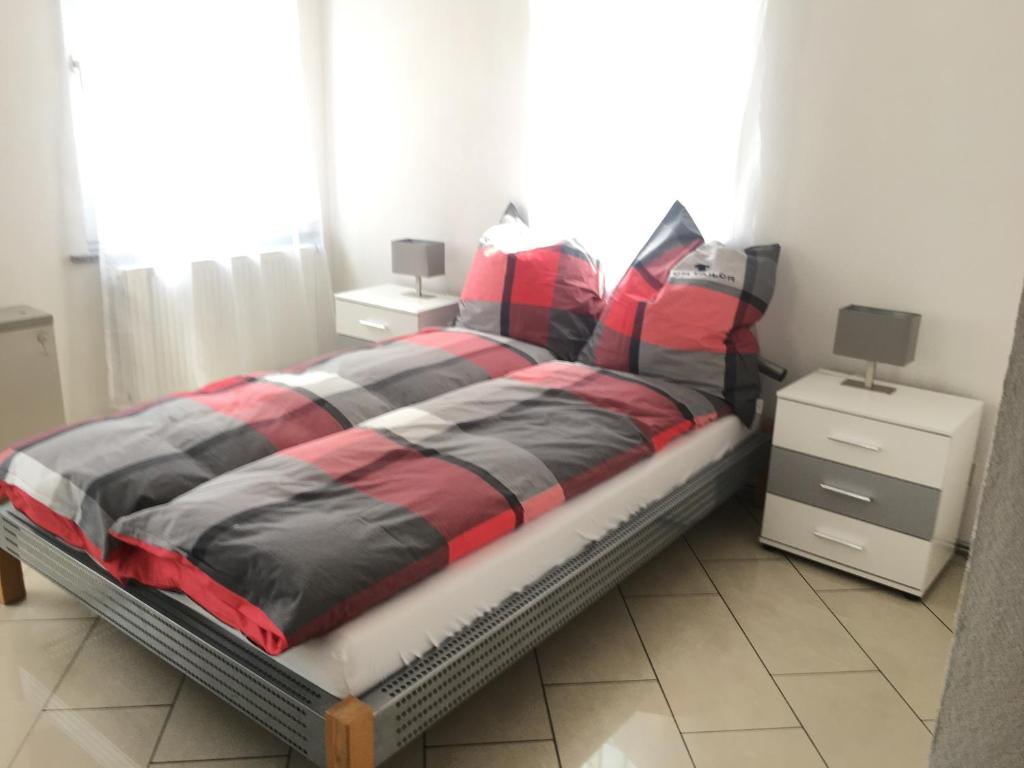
[{"x": 292, "y": 545}]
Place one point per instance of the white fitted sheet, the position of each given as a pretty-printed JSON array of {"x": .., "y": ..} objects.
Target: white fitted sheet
[{"x": 361, "y": 653}]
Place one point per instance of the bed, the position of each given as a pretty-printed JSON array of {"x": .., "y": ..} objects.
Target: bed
[
  {"x": 339, "y": 707},
  {"x": 370, "y": 678}
]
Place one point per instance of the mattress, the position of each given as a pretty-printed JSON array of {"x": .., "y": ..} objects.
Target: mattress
[{"x": 363, "y": 652}]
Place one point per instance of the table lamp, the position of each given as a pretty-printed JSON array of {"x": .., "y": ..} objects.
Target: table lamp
[
  {"x": 420, "y": 258},
  {"x": 877, "y": 336}
]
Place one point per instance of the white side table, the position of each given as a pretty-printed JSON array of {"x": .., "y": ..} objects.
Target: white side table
[
  {"x": 384, "y": 311},
  {"x": 867, "y": 482}
]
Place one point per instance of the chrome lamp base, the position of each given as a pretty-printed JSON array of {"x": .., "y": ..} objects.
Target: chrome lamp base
[
  {"x": 869, "y": 381},
  {"x": 418, "y": 293}
]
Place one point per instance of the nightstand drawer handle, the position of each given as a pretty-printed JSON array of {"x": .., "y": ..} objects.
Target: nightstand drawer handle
[
  {"x": 374, "y": 324},
  {"x": 844, "y": 492},
  {"x": 854, "y": 443},
  {"x": 837, "y": 540}
]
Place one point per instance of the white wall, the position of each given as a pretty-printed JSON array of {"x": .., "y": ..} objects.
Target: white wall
[
  {"x": 34, "y": 268},
  {"x": 892, "y": 177},
  {"x": 428, "y": 127},
  {"x": 889, "y": 150}
]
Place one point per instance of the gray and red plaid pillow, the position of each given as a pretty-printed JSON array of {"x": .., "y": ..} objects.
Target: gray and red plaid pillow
[
  {"x": 520, "y": 286},
  {"x": 685, "y": 311}
]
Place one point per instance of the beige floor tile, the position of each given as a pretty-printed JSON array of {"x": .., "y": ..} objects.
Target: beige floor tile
[
  {"x": 711, "y": 675},
  {"x": 411, "y": 756},
  {"x": 944, "y": 595},
  {"x": 615, "y": 724},
  {"x": 673, "y": 572},
  {"x": 114, "y": 671},
  {"x": 202, "y": 727},
  {"x": 33, "y": 656},
  {"x": 511, "y": 708},
  {"x": 599, "y": 645},
  {"x": 729, "y": 533},
  {"x": 821, "y": 577},
  {"x": 245, "y": 762},
  {"x": 528, "y": 754},
  {"x": 789, "y": 626},
  {"x": 776, "y": 748},
  {"x": 44, "y": 600},
  {"x": 857, "y": 720},
  {"x": 930, "y": 725},
  {"x": 904, "y": 639},
  {"x": 94, "y": 738}
]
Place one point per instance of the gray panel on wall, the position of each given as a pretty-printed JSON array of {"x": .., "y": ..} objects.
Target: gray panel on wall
[{"x": 983, "y": 707}]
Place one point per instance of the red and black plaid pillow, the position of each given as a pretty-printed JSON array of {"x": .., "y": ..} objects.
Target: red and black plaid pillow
[
  {"x": 685, "y": 311},
  {"x": 548, "y": 294}
]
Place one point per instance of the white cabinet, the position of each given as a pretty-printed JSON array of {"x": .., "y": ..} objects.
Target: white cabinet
[
  {"x": 868, "y": 482},
  {"x": 31, "y": 400},
  {"x": 385, "y": 311}
]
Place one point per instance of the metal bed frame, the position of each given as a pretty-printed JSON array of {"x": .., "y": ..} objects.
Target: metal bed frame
[{"x": 363, "y": 732}]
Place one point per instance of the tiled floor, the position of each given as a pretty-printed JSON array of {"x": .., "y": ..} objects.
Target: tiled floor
[{"x": 719, "y": 654}]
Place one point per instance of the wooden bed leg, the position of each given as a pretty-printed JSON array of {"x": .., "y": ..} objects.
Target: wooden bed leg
[
  {"x": 348, "y": 738},
  {"x": 12, "y": 581}
]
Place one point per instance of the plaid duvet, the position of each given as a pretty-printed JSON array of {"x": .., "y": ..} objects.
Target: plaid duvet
[
  {"x": 290, "y": 546},
  {"x": 76, "y": 482}
]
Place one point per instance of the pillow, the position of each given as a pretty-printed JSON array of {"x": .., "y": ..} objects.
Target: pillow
[
  {"x": 685, "y": 311},
  {"x": 519, "y": 285}
]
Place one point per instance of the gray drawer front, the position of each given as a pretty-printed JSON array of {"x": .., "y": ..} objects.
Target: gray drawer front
[{"x": 894, "y": 504}]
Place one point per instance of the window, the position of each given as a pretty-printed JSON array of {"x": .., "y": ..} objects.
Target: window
[
  {"x": 191, "y": 128},
  {"x": 634, "y": 105},
  {"x": 195, "y": 162}
]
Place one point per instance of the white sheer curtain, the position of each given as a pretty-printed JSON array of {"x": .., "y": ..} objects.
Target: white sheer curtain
[
  {"x": 634, "y": 105},
  {"x": 195, "y": 157}
]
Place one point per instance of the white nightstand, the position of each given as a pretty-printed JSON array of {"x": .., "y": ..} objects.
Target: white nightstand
[
  {"x": 870, "y": 483},
  {"x": 384, "y": 311}
]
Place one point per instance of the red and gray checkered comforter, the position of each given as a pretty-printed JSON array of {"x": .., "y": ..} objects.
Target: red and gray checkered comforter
[
  {"x": 78, "y": 481},
  {"x": 294, "y": 544}
]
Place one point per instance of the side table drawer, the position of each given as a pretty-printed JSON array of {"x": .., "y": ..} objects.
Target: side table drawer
[
  {"x": 362, "y": 321},
  {"x": 909, "y": 454},
  {"x": 889, "y": 554},
  {"x": 885, "y": 501}
]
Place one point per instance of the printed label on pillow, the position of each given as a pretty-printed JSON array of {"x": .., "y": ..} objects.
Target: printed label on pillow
[{"x": 699, "y": 272}]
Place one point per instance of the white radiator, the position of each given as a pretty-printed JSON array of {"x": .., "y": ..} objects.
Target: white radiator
[
  {"x": 31, "y": 400},
  {"x": 244, "y": 314}
]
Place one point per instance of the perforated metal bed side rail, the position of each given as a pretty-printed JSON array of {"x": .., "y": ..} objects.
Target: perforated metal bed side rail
[
  {"x": 285, "y": 704},
  {"x": 407, "y": 703}
]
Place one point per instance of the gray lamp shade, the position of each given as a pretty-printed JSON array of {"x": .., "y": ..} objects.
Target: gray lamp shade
[
  {"x": 879, "y": 335},
  {"x": 422, "y": 258}
]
